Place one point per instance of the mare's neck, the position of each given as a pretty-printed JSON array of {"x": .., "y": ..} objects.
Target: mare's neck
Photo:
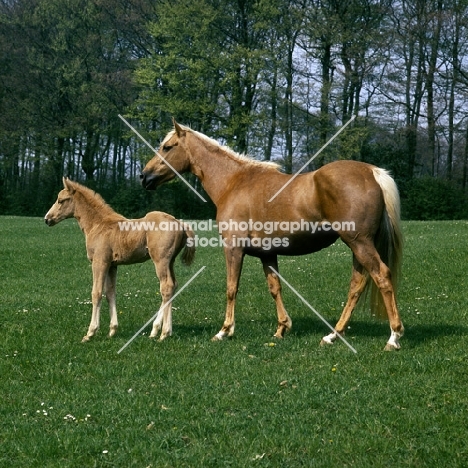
[{"x": 215, "y": 169}]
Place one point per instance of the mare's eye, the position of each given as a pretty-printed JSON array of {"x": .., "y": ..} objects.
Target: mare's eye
[{"x": 167, "y": 147}]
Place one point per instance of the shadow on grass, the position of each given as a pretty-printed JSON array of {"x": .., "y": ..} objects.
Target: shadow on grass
[{"x": 415, "y": 334}]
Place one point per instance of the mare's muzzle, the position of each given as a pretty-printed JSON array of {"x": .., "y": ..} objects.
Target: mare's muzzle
[{"x": 149, "y": 181}]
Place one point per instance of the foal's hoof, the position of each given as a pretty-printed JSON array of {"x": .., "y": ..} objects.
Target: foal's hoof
[
  {"x": 392, "y": 347},
  {"x": 220, "y": 336},
  {"x": 86, "y": 338},
  {"x": 324, "y": 342}
]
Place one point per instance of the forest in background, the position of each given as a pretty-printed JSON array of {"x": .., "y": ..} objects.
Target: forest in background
[{"x": 274, "y": 79}]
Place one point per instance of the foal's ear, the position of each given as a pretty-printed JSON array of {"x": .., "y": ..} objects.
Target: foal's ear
[
  {"x": 67, "y": 185},
  {"x": 180, "y": 132}
]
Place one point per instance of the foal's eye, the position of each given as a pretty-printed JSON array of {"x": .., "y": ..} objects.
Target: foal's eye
[{"x": 167, "y": 147}]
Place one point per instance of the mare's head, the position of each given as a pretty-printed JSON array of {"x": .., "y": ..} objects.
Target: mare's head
[
  {"x": 172, "y": 156},
  {"x": 64, "y": 206}
]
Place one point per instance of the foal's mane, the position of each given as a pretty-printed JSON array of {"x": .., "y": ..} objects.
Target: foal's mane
[
  {"x": 93, "y": 200},
  {"x": 230, "y": 153}
]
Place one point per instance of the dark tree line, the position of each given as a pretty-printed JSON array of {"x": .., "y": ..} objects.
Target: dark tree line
[{"x": 271, "y": 78}]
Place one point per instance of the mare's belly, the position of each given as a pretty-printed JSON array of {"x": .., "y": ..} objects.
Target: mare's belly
[{"x": 290, "y": 244}]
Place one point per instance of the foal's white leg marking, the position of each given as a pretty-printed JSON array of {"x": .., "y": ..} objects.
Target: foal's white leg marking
[
  {"x": 110, "y": 295},
  {"x": 219, "y": 336},
  {"x": 223, "y": 334},
  {"x": 157, "y": 323},
  {"x": 94, "y": 325},
  {"x": 167, "y": 321},
  {"x": 393, "y": 343},
  {"x": 330, "y": 338}
]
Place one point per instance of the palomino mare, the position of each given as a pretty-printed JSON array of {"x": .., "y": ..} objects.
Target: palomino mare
[
  {"x": 351, "y": 200},
  {"x": 113, "y": 240}
]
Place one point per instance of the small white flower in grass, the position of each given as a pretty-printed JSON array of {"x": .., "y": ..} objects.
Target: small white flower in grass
[{"x": 105, "y": 452}]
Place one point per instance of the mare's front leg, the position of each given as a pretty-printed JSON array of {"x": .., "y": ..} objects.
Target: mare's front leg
[
  {"x": 274, "y": 286},
  {"x": 111, "y": 280},
  {"x": 234, "y": 260},
  {"x": 100, "y": 270}
]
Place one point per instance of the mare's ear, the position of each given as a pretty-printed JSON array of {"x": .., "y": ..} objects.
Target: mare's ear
[{"x": 180, "y": 132}]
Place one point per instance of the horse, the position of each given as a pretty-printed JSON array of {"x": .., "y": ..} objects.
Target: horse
[
  {"x": 113, "y": 240},
  {"x": 351, "y": 200}
]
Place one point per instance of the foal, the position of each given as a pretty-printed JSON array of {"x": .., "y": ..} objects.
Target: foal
[{"x": 109, "y": 244}]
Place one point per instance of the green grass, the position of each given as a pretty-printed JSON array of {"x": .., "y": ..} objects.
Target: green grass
[{"x": 190, "y": 402}]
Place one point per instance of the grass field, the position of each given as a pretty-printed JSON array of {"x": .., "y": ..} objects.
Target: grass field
[{"x": 245, "y": 402}]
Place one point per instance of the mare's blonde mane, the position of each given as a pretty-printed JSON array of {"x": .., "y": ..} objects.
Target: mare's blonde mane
[{"x": 230, "y": 153}]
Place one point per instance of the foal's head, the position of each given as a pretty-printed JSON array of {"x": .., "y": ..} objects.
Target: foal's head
[
  {"x": 172, "y": 154},
  {"x": 64, "y": 207}
]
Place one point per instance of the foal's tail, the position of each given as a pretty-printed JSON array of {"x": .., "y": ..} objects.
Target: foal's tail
[
  {"x": 389, "y": 238},
  {"x": 188, "y": 254}
]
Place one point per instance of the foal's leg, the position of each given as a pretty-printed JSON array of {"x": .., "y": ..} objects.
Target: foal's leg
[
  {"x": 367, "y": 255},
  {"x": 100, "y": 271},
  {"x": 274, "y": 285},
  {"x": 356, "y": 287},
  {"x": 110, "y": 295},
  {"x": 167, "y": 287},
  {"x": 234, "y": 260}
]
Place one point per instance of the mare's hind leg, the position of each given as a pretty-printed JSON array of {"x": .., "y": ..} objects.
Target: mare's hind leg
[
  {"x": 356, "y": 287},
  {"x": 167, "y": 286},
  {"x": 367, "y": 255},
  {"x": 274, "y": 286},
  {"x": 111, "y": 280}
]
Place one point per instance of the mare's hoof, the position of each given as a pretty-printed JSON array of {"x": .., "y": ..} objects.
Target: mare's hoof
[
  {"x": 392, "y": 347},
  {"x": 85, "y": 339}
]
